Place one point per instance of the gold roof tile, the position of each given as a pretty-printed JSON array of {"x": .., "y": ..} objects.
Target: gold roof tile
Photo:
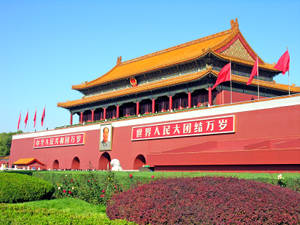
[
  {"x": 26, "y": 161},
  {"x": 172, "y": 56}
]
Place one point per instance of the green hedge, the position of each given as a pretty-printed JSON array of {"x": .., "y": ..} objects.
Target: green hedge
[
  {"x": 18, "y": 214},
  {"x": 291, "y": 180},
  {"x": 26, "y": 172},
  {"x": 21, "y": 188}
]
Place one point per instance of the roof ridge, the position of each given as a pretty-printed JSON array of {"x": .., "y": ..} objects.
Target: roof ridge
[{"x": 177, "y": 47}]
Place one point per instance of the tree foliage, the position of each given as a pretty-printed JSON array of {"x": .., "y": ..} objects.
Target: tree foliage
[{"x": 5, "y": 142}]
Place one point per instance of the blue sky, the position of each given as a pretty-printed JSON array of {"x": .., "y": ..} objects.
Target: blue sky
[{"x": 48, "y": 46}]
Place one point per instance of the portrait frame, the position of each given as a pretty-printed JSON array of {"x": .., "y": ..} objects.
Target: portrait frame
[{"x": 105, "y": 140}]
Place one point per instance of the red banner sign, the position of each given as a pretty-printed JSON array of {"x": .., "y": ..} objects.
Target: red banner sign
[
  {"x": 208, "y": 126},
  {"x": 58, "y": 141}
]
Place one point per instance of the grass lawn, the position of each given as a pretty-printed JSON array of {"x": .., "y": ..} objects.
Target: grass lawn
[
  {"x": 70, "y": 205},
  {"x": 56, "y": 211}
]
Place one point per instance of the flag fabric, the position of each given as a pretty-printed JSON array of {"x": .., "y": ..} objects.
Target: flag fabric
[
  {"x": 43, "y": 117},
  {"x": 26, "y": 119},
  {"x": 224, "y": 75},
  {"x": 34, "y": 119},
  {"x": 19, "y": 121},
  {"x": 283, "y": 63},
  {"x": 254, "y": 71}
]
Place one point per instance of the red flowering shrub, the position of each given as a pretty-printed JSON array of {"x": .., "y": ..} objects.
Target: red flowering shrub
[
  {"x": 206, "y": 200},
  {"x": 89, "y": 189}
]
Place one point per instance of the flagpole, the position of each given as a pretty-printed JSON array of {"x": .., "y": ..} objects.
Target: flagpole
[
  {"x": 230, "y": 85},
  {"x": 289, "y": 82},
  {"x": 257, "y": 80},
  {"x": 289, "y": 77}
]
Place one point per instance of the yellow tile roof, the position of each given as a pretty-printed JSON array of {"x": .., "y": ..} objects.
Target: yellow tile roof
[
  {"x": 169, "y": 82},
  {"x": 26, "y": 161},
  {"x": 171, "y": 56}
]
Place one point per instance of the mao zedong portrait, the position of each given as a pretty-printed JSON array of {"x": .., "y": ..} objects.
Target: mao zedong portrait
[{"x": 105, "y": 143}]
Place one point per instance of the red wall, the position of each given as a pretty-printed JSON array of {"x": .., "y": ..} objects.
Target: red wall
[
  {"x": 88, "y": 153},
  {"x": 224, "y": 97},
  {"x": 270, "y": 136},
  {"x": 251, "y": 144}
]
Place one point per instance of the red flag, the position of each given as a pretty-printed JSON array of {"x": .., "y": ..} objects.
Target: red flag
[
  {"x": 43, "y": 117},
  {"x": 26, "y": 119},
  {"x": 283, "y": 63},
  {"x": 254, "y": 71},
  {"x": 224, "y": 75},
  {"x": 19, "y": 121},
  {"x": 34, "y": 119}
]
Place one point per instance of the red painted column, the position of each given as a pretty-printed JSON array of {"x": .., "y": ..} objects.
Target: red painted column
[
  {"x": 189, "y": 100},
  {"x": 104, "y": 113},
  {"x": 170, "y": 103},
  {"x": 153, "y": 105},
  {"x": 209, "y": 96},
  {"x": 118, "y": 111},
  {"x": 81, "y": 117},
  {"x": 137, "y": 108},
  {"x": 71, "y": 119},
  {"x": 93, "y": 115}
]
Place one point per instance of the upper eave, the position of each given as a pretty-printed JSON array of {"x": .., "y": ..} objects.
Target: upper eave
[
  {"x": 176, "y": 55},
  {"x": 170, "y": 82}
]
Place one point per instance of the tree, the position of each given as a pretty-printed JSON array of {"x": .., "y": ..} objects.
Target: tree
[{"x": 5, "y": 142}]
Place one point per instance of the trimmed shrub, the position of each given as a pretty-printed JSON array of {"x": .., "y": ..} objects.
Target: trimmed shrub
[
  {"x": 89, "y": 187},
  {"x": 206, "y": 200},
  {"x": 26, "y": 172},
  {"x": 16, "y": 214},
  {"x": 21, "y": 188}
]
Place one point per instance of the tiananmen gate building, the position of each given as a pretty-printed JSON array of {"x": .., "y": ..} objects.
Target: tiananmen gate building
[{"x": 160, "y": 110}]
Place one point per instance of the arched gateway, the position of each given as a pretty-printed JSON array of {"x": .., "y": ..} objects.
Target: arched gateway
[
  {"x": 75, "y": 164},
  {"x": 139, "y": 162},
  {"x": 55, "y": 165},
  {"x": 104, "y": 161}
]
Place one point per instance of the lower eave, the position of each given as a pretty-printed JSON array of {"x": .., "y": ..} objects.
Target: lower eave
[{"x": 170, "y": 82}]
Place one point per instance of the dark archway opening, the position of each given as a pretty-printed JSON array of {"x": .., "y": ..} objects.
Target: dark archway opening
[
  {"x": 104, "y": 162},
  {"x": 139, "y": 162},
  {"x": 75, "y": 164},
  {"x": 55, "y": 165}
]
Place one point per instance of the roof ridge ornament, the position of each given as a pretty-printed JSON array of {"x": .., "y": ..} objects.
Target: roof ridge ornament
[
  {"x": 119, "y": 60},
  {"x": 208, "y": 67},
  {"x": 234, "y": 24}
]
